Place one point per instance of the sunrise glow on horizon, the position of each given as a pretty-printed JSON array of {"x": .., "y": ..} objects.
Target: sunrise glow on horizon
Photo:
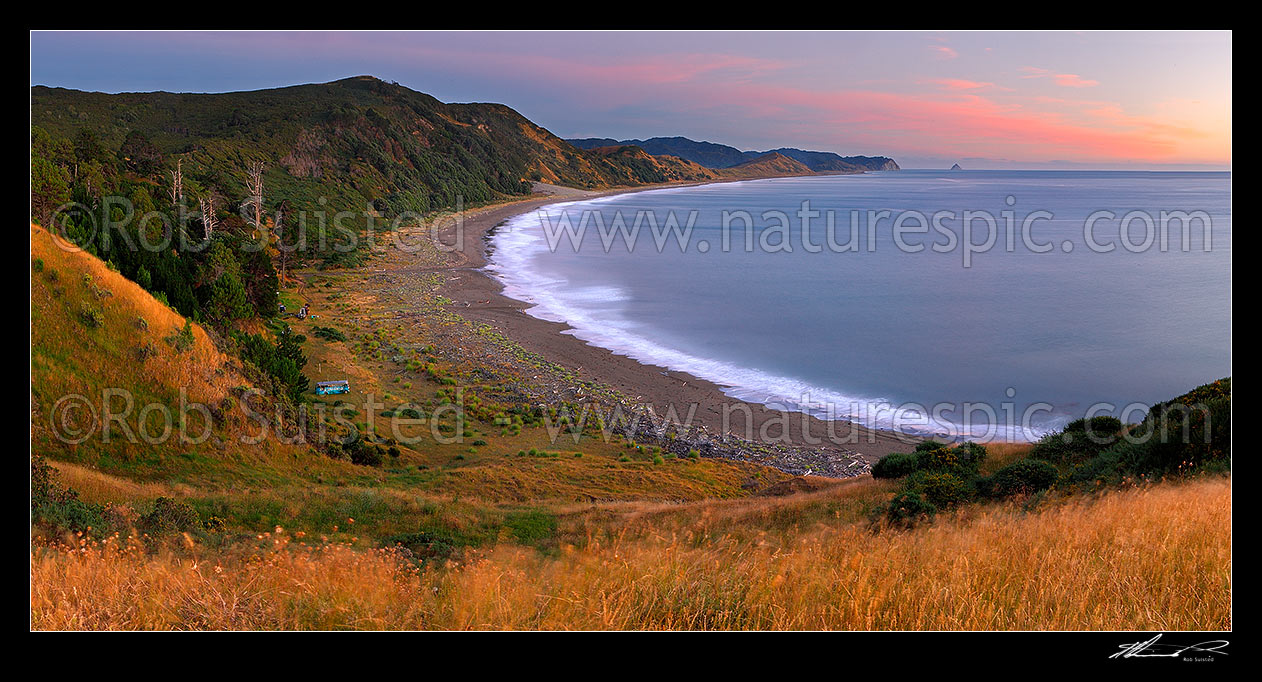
[{"x": 1035, "y": 99}]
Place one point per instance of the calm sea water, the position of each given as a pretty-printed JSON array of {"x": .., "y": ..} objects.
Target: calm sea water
[{"x": 858, "y": 333}]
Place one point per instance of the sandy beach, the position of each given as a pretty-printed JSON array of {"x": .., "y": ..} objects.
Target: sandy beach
[{"x": 478, "y": 296}]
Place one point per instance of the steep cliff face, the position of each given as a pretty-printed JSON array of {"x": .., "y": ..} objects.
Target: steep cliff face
[{"x": 873, "y": 163}]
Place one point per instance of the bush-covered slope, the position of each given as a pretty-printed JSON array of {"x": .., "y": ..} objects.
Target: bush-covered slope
[
  {"x": 1185, "y": 436},
  {"x": 708, "y": 154},
  {"x": 356, "y": 143},
  {"x": 713, "y": 155},
  {"x": 830, "y": 162}
]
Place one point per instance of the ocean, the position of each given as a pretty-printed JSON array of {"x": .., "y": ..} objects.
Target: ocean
[{"x": 984, "y": 304}]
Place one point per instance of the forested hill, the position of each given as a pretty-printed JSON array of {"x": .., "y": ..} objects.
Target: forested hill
[
  {"x": 718, "y": 156},
  {"x": 354, "y": 142}
]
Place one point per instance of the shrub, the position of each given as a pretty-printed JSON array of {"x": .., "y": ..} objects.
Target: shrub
[
  {"x": 91, "y": 317},
  {"x": 908, "y": 508},
  {"x": 363, "y": 454},
  {"x": 170, "y": 515},
  {"x": 60, "y": 509},
  {"x": 423, "y": 545},
  {"x": 282, "y": 360},
  {"x": 896, "y": 465},
  {"x": 1106, "y": 468},
  {"x": 145, "y": 351},
  {"x": 1102, "y": 425},
  {"x": 1080, "y": 440},
  {"x": 937, "y": 459},
  {"x": 962, "y": 460},
  {"x": 328, "y": 333},
  {"x": 972, "y": 454},
  {"x": 1024, "y": 477},
  {"x": 182, "y": 339},
  {"x": 43, "y": 481},
  {"x": 1189, "y": 434},
  {"x": 71, "y": 514},
  {"x": 944, "y": 490},
  {"x": 1184, "y": 434}
]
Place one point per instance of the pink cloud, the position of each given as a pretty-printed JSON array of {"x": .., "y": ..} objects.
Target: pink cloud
[
  {"x": 1073, "y": 80},
  {"x": 962, "y": 84},
  {"x": 956, "y": 119},
  {"x": 961, "y": 123},
  {"x": 1066, "y": 80},
  {"x": 947, "y": 117},
  {"x": 944, "y": 52}
]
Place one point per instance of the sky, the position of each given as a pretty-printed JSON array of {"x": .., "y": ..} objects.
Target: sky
[{"x": 1159, "y": 100}]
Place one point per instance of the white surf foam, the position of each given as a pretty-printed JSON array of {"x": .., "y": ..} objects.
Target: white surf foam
[{"x": 594, "y": 316}]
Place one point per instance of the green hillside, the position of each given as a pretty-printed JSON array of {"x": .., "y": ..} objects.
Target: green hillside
[
  {"x": 721, "y": 156},
  {"x": 350, "y": 145}
]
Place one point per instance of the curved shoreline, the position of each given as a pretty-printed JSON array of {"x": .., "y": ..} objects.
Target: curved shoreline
[
  {"x": 482, "y": 299},
  {"x": 516, "y": 249},
  {"x": 517, "y": 242}
]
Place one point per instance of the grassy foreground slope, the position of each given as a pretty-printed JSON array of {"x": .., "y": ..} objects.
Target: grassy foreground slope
[
  {"x": 1150, "y": 558},
  {"x": 99, "y": 341}
]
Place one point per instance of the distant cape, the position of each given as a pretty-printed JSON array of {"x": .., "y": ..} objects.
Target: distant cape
[{"x": 713, "y": 155}]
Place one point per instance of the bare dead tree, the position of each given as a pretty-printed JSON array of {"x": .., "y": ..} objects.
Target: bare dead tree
[
  {"x": 177, "y": 183},
  {"x": 278, "y": 227},
  {"x": 209, "y": 220},
  {"x": 254, "y": 199}
]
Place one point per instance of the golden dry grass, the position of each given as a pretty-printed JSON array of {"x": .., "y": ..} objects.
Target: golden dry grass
[
  {"x": 98, "y": 487},
  {"x": 125, "y": 362},
  {"x": 1001, "y": 454},
  {"x": 1150, "y": 558},
  {"x": 63, "y": 362}
]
